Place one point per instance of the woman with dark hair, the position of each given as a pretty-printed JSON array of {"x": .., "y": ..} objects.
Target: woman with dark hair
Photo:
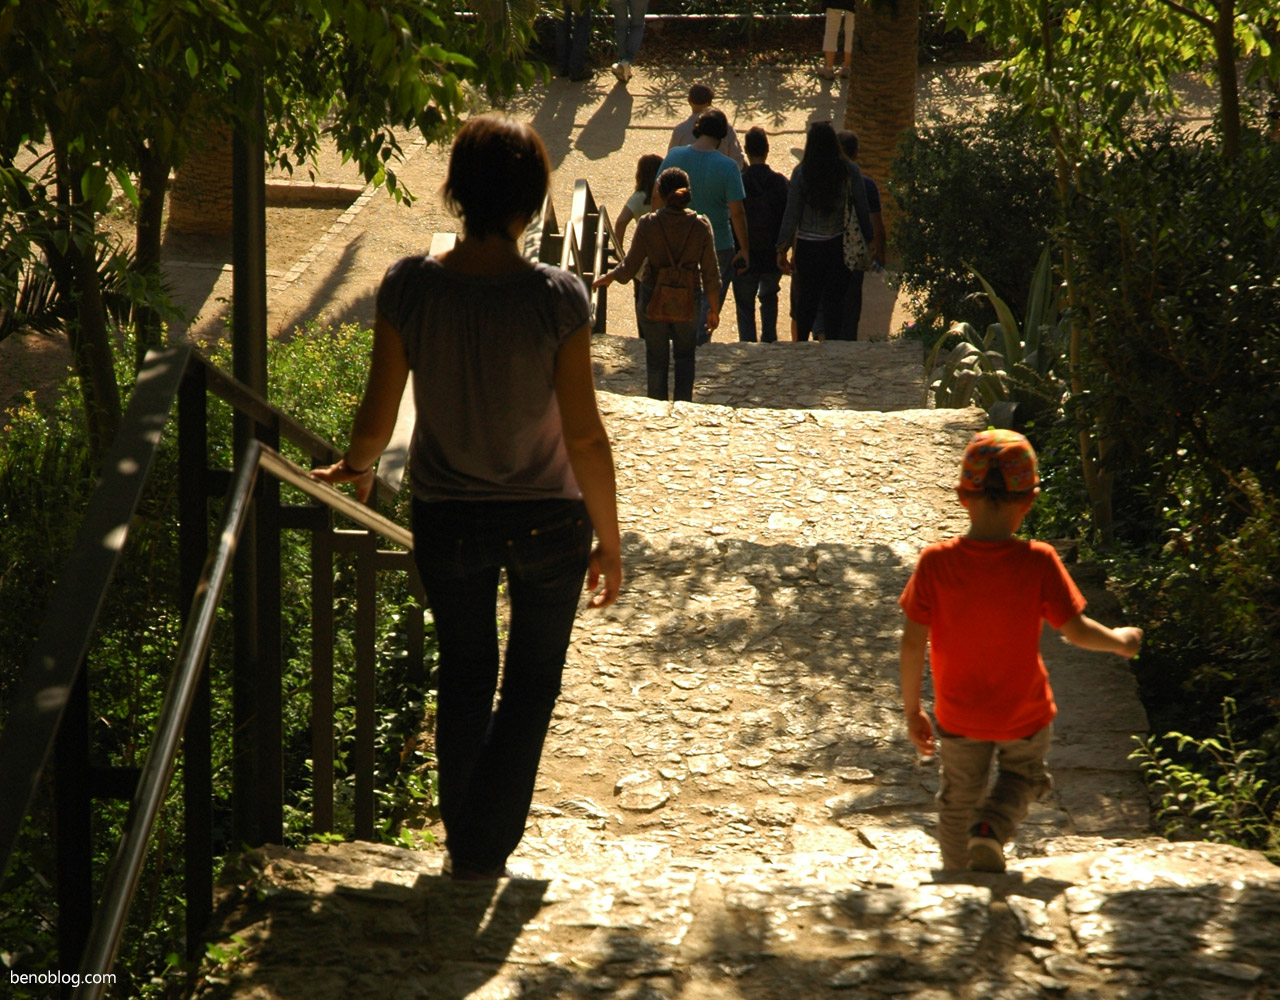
[
  {"x": 672, "y": 236},
  {"x": 814, "y": 220},
  {"x": 510, "y": 468}
]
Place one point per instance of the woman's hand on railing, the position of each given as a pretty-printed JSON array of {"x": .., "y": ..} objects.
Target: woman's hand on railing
[
  {"x": 604, "y": 576},
  {"x": 602, "y": 281},
  {"x": 341, "y": 472}
]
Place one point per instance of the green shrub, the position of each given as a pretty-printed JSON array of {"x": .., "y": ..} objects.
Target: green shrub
[
  {"x": 1177, "y": 274},
  {"x": 971, "y": 194},
  {"x": 1219, "y": 794},
  {"x": 45, "y": 482}
]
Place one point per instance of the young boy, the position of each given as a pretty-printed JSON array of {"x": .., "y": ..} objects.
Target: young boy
[{"x": 977, "y": 602}]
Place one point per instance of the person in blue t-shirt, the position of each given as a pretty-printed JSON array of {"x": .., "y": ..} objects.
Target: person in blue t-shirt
[{"x": 716, "y": 186}]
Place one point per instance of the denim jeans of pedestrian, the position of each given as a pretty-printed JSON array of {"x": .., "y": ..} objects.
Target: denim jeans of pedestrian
[
  {"x": 573, "y": 33},
  {"x": 724, "y": 258},
  {"x": 820, "y": 279},
  {"x": 852, "y": 305},
  {"x": 967, "y": 796},
  {"x": 636, "y": 288},
  {"x": 745, "y": 288},
  {"x": 661, "y": 342},
  {"x": 488, "y": 756},
  {"x": 628, "y": 26}
]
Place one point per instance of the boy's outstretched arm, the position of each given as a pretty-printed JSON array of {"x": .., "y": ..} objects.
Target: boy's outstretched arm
[
  {"x": 915, "y": 637},
  {"x": 1084, "y": 632}
]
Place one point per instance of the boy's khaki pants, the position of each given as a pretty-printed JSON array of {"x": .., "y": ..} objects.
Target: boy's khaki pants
[{"x": 963, "y": 798}]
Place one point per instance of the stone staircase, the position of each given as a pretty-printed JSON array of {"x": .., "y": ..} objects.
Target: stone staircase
[{"x": 728, "y": 807}]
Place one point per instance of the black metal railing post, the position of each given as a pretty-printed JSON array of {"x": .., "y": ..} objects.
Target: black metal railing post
[
  {"x": 269, "y": 730},
  {"x": 197, "y": 741},
  {"x": 75, "y": 830},
  {"x": 49, "y": 716},
  {"x": 366, "y": 682},
  {"x": 322, "y": 674}
]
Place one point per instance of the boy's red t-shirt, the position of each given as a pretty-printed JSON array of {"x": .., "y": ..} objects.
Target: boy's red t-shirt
[{"x": 983, "y": 603}]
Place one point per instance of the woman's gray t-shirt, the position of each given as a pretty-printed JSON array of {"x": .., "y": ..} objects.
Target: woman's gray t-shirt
[{"x": 483, "y": 354}]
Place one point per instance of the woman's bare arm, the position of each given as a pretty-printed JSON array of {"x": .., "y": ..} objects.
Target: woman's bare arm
[
  {"x": 587, "y": 443},
  {"x": 376, "y": 417}
]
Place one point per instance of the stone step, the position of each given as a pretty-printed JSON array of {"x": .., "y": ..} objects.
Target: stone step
[
  {"x": 633, "y": 918},
  {"x": 836, "y": 375}
]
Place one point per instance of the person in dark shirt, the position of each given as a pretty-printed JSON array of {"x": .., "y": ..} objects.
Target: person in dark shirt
[
  {"x": 765, "y": 202},
  {"x": 853, "y": 293}
]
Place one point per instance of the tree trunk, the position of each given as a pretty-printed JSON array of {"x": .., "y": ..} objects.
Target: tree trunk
[
  {"x": 74, "y": 263},
  {"x": 881, "y": 103},
  {"x": 91, "y": 348},
  {"x": 1224, "y": 45},
  {"x": 200, "y": 201},
  {"x": 1098, "y": 480},
  {"x": 153, "y": 183}
]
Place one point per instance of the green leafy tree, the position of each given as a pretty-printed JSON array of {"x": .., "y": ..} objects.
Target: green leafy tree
[
  {"x": 1231, "y": 29},
  {"x": 118, "y": 89},
  {"x": 1079, "y": 68}
]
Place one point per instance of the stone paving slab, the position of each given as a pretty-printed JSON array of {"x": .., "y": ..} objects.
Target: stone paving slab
[
  {"x": 840, "y": 375},
  {"x": 1139, "y": 920}
]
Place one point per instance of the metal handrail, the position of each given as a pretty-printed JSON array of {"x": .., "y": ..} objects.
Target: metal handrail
[
  {"x": 48, "y": 716},
  {"x": 606, "y": 238},
  {"x": 35, "y": 714},
  {"x": 157, "y": 769}
]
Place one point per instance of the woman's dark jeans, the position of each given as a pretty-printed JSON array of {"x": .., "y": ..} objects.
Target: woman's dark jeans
[
  {"x": 820, "y": 279},
  {"x": 488, "y": 757},
  {"x": 661, "y": 342}
]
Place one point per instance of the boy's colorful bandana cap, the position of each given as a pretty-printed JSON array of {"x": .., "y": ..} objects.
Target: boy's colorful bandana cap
[{"x": 1006, "y": 454}]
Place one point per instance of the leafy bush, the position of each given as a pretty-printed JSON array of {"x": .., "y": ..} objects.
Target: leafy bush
[
  {"x": 977, "y": 194},
  {"x": 1177, "y": 272},
  {"x": 1223, "y": 798},
  {"x": 45, "y": 481}
]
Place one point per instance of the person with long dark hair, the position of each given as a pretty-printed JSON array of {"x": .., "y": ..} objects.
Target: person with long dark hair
[
  {"x": 672, "y": 236},
  {"x": 815, "y": 221},
  {"x": 510, "y": 468}
]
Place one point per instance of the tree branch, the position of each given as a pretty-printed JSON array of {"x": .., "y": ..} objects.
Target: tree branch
[{"x": 1195, "y": 15}]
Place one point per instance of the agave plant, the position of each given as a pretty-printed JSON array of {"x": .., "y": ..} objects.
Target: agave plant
[{"x": 1006, "y": 366}]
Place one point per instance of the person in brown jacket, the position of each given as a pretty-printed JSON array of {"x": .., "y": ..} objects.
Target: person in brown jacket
[{"x": 672, "y": 235}]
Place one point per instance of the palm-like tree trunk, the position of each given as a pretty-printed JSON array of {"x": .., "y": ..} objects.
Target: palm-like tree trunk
[{"x": 882, "y": 89}]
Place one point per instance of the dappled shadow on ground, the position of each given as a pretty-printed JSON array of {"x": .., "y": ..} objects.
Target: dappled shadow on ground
[
  {"x": 365, "y": 920},
  {"x": 603, "y": 111},
  {"x": 553, "y": 112},
  {"x": 800, "y": 637},
  {"x": 302, "y": 938}
]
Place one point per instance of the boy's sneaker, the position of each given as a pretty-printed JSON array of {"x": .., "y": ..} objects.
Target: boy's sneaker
[
  {"x": 844, "y": 72},
  {"x": 986, "y": 853},
  {"x": 827, "y": 72}
]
